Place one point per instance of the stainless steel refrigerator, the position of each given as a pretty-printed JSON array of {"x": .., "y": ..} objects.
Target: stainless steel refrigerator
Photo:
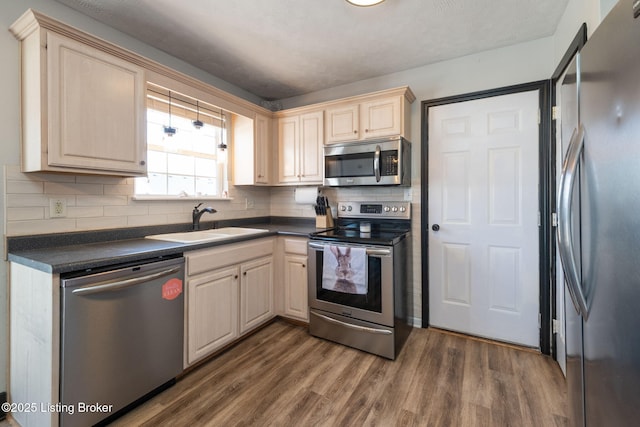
[{"x": 599, "y": 223}]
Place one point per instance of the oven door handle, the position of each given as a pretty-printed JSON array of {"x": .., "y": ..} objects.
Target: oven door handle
[
  {"x": 352, "y": 326},
  {"x": 370, "y": 251}
]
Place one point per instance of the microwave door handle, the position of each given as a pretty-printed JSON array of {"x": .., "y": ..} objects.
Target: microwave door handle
[{"x": 376, "y": 163}]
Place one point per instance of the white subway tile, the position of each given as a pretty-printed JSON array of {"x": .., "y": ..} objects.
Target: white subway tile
[
  {"x": 101, "y": 200},
  {"x": 24, "y": 187},
  {"x": 72, "y": 188},
  {"x": 139, "y": 221},
  {"x": 47, "y": 226},
  {"x": 120, "y": 189},
  {"x": 22, "y": 214},
  {"x": 85, "y": 211},
  {"x": 101, "y": 223},
  {"x": 98, "y": 179},
  {"x": 129, "y": 210}
]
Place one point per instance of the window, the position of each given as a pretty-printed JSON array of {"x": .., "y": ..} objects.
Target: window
[{"x": 183, "y": 160}]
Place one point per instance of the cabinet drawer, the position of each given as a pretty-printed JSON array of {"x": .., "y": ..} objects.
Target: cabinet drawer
[
  {"x": 295, "y": 246},
  {"x": 204, "y": 260}
]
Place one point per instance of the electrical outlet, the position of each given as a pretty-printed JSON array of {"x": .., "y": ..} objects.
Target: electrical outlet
[
  {"x": 249, "y": 203},
  {"x": 57, "y": 208}
]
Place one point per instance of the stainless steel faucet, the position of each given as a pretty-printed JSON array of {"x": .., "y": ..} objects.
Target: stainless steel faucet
[{"x": 197, "y": 214}]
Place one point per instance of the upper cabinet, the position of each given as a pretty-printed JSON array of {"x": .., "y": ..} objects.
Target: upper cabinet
[
  {"x": 300, "y": 141},
  {"x": 370, "y": 116},
  {"x": 252, "y": 150},
  {"x": 83, "y": 109}
]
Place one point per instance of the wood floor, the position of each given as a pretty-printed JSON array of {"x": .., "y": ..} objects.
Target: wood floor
[{"x": 281, "y": 376}]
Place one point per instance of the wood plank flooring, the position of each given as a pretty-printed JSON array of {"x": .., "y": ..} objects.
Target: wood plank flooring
[{"x": 281, "y": 376}]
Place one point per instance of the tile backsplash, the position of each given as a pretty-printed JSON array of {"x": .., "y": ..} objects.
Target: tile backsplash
[{"x": 103, "y": 202}]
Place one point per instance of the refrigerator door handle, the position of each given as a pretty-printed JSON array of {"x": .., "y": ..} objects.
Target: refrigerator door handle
[{"x": 565, "y": 236}]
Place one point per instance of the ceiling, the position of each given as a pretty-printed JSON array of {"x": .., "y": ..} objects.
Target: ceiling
[{"x": 277, "y": 49}]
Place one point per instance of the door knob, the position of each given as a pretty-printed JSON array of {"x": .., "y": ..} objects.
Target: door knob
[{"x": 435, "y": 227}]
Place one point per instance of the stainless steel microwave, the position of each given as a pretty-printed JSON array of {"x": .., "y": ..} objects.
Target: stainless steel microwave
[{"x": 379, "y": 162}]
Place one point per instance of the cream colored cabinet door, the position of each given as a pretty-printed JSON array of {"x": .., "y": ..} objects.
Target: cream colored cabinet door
[
  {"x": 300, "y": 148},
  {"x": 311, "y": 138},
  {"x": 381, "y": 117},
  {"x": 288, "y": 147},
  {"x": 262, "y": 149},
  {"x": 342, "y": 123},
  {"x": 296, "y": 303},
  {"x": 96, "y": 109},
  {"x": 212, "y": 312},
  {"x": 256, "y": 293}
]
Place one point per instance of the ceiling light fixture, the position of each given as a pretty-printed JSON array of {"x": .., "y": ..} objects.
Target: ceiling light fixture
[
  {"x": 365, "y": 3},
  {"x": 197, "y": 123},
  {"x": 170, "y": 131}
]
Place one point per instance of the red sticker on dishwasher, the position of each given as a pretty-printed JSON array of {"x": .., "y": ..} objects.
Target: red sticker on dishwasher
[{"x": 172, "y": 289}]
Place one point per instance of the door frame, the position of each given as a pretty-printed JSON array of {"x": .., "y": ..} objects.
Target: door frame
[{"x": 546, "y": 201}]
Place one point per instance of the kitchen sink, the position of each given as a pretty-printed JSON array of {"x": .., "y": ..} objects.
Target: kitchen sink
[{"x": 203, "y": 236}]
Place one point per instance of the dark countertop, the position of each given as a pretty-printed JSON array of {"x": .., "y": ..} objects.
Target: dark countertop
[{"x": 90, "y": 250}]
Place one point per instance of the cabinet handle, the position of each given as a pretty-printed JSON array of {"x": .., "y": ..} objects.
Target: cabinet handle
[
  {"x": 244, "y": 273},
  {"x": 304, "y": 266},
  {"x": 355, "y": 131},
  {"x": 142, "y": 163},
  {"x": 366, "y": 130},
  {"x": 235, "y": 277}
]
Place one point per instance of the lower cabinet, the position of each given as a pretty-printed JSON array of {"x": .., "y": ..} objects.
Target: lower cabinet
[
  {"x": 293, "y": 279},
  {"x": 212, "y": 312},
  {"x": 256, "y": 293},
  {"x": 229, "y": 292}
]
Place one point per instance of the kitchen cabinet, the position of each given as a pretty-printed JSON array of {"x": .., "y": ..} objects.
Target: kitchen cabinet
[
  {"x": 292, "y": 293},
  {"x": 212, "y": 312},
  {"x": 83, "y": 108},
  {"x": 251, "y": 150},
  {"x": 229, "y": 293},
  {"x": 369, "y": 116},
  {"x": 256, "y": 290},
  {"x": 300, "y": 141}
]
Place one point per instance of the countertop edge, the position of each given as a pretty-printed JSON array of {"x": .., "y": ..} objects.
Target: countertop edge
[{"x": 61, "y": 260}]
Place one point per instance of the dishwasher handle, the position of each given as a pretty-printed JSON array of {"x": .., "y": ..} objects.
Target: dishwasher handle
[{"x": 114, "y": 285}]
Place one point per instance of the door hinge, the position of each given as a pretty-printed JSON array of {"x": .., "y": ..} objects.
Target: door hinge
[
  {"x": 555, "y": 112},
  {"x": 555, "y": 326},
  {"x": 554, "y": 219},
  {"x": 539, "y": 220}
]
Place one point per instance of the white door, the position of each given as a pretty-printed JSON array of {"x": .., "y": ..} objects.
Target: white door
[{"x": 483, "y": 196}]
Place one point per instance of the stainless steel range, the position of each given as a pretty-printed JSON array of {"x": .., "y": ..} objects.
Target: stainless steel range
[{"x": 359, "y": 277}]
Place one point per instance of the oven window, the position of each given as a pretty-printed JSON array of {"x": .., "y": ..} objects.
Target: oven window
[
  {"x": 371, "y": 301},
  {"x": 359, "y": 164}
]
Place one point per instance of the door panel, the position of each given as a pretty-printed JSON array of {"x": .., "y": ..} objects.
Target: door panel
[{"x": 483, "y": 194}]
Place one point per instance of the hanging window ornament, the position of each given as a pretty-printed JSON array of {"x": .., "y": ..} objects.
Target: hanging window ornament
[
  {"x": 170, "y": 131},
  {"x": 197, "y": 123}
]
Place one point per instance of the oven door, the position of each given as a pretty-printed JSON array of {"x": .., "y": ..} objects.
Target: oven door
[{"x": 374, "y": 304}]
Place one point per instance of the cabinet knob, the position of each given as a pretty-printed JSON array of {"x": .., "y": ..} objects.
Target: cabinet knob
[
  {"x": 142, "y": 163},
  {"x": 244, "y": 273},
  {"x": 355, "y": 131},
  {"x": 304, "y": 266},
  {"x": 366, "y": 130},
  {"x": 235, "y": 277}
]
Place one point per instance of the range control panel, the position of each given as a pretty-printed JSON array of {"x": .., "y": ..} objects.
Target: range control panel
[{"x": 374, "y": 210}]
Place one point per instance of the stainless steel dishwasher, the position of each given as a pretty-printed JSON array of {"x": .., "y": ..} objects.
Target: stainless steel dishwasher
[{"x": 122, "y": 338}]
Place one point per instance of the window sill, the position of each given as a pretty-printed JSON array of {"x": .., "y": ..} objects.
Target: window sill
[{"x": 143, "y": 197}]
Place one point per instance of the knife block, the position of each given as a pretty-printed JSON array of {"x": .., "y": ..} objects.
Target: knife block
[{"x": 324, "y": 221}]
